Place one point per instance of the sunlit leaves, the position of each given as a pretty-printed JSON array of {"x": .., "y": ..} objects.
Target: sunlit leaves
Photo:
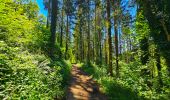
[
  {"x": 24, "y": 69},
  {"x": 142, "y": 27}
]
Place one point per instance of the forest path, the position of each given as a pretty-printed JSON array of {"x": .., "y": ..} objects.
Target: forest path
[{"x": 83, "y": 87}]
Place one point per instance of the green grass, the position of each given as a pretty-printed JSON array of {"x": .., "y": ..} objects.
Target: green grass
[
  {"x": 112, "y": 87},
  {"x": 131, "y": 85}
]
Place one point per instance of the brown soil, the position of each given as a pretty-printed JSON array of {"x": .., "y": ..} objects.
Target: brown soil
[{"x": 83, "y": 87}]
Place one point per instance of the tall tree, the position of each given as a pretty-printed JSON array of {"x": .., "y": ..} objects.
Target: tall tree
[
  {"x": 88, "y": 36},
  {"x": 116, "y": 13},
  {"x": 98, "y": 31},
  {"x": 67, "y": 36},
  {"x": 61, "y": 31},
  {"x": 69, "y": 9},
  {"x": 109, "y": 37},
  {"x": 53, "y": 28}
]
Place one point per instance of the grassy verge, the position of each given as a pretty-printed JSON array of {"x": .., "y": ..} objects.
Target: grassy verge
[
  {"x": 131, "y": 85},
  {"x": 115, "y": 89}
]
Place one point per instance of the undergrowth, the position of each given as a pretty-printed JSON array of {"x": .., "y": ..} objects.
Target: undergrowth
[
  {"x": 26, "y": 71},
  {"x": 129, "y": 86},
  {"x": 24, "y": 75}
]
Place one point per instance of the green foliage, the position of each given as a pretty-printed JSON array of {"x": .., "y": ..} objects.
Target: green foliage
[
  {"x": 28, "y": 76},
  {"x": 65, "y": 70},
  {"x": 25, "y": 70},
  {"x": 132, "y": 84},
  {"x": 115, "y": 89},
  {"x": 141, "y": 26}
]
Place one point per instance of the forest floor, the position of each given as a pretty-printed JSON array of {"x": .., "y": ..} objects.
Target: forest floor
[{"x": 83, "y": 87}]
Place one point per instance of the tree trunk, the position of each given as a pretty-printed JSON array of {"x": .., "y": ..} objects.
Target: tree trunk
[
  {"x": 61, "y": 35},
  {"x": 53, "y": 28},
  {"x": 96, "y": 37},
  {"x": 109, "y": 38},
  {"x": 81, "y": 42},
  {"x": 93, "y": 51},
  {"x": 159, "y": 69},
  {"x": 120, "y": 45},
  {"x": 88, "y": 36},
  {"x": 49, "y": 14},
  {"x": 106, "y": 50},
  {"x": 47, "y": 25},
  {"x": 100, "y": 48},
  {"x": 67, "y": 37},
  {"x": 116, "y": 45}
]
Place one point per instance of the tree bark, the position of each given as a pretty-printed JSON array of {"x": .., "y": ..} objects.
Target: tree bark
[
  {"x": 53, "y": 28},
  {"x": 116, "y": 45},
  {"x": 88, "y": 36},
  {"x": 109, "y": 38},
  {"x": 61, "y": 35},
  {"x": 67, "y": 37}
]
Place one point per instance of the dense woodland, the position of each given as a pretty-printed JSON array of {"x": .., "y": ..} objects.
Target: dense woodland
[{"x": 123, "y": 44}]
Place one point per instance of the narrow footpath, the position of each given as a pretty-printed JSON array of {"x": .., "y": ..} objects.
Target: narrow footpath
[{"x": 83, "y": 87}]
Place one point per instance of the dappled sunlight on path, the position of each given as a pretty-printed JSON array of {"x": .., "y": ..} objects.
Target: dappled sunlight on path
[{"x": 82, "y": 87}]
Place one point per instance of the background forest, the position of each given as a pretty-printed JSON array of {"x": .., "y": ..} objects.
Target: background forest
[{"x": 123, "y": 44}]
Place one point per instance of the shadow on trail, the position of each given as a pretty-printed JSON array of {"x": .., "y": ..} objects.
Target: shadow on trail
[
  {"x": 113, "y": 90},
  {"x": 82, "y": 87}
]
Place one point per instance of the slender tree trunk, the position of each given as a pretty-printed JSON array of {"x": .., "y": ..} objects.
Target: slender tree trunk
[
  {"x": 96, "y": 37},
  {"x": 100, "y": 47},
  {"x": 106, "y": 50},
  {"x": 61, "y": 35},
  {"x": 77, "y": 49},
  {"x": 120, "y": 43},
  {"x": 49, "y": 14},
  {"x": 116, "y": 45},
  {"x": 53, "y": 28},
  {"x": 93, "y": 51},
  {"x": 81, "y": 42},
  {"x": 120, "y": 47},
  {"x": 47, "y": 25},
  {"x": 83, "y": 48},
  {"x": 88, "y": 36},
  {"x": 99, "y": 33},
  {"x": 116, "y": 19},
  {"x": 109, "y": 38},
  {"x": 67, "y": 37},
  {"x": 159, "y": 69}
]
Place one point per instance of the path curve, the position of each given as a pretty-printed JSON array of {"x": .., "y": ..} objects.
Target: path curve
[{"x": 83, "y": 87}]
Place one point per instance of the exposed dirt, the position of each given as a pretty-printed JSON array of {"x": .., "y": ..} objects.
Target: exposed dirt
[{"x": 83, "y": 87}]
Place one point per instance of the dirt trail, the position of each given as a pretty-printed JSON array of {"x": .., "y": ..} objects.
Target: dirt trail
[{"x": 82, "y": 87}]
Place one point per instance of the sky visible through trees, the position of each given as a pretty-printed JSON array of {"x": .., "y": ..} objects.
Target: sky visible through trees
[
  {"x": 85, "y": 49},
  {"x": 44, "y": 12}
]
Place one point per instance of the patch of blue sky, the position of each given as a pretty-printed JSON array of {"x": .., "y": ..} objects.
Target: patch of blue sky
[{"x": 41, "y": 7}]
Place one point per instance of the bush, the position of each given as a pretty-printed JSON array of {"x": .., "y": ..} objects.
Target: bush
[
  {"x": 26, "y": 72},
  {"x": 28, "y": 76},
  {"x": 131, "y": 85}
]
